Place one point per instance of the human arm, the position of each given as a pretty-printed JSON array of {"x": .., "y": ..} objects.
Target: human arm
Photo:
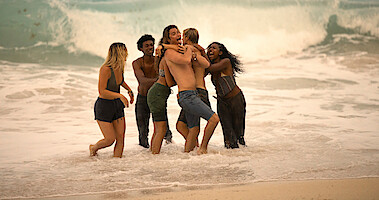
[
  {"x": 104, "y": 75},
  {"x": 220, "y": 66},
  {"x": 202, "y": 51},
  {"x": 177, "y": 47},
  {"x": 141, "y": 78},
  {"x": 199, "y": 59},
  {"x": 178, "y": 58},
  {"x": 158, "y": 51},
  {"x": 130, "y": 92}
]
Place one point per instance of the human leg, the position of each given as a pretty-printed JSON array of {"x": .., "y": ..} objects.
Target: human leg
[
  {"x": 157, "y": 101},
  {"x": 160, "y": 127},
  {"x": 119, "y": 127},
  {"x": 159, "y": 131},
  {"x": 191, "y": 139},
  {"x": 238, "y": 105},
  {"x": 109, "y": 134},
  {"x": 168, "y": 135},
  {"x": 181, "y": 124},
  {"x": 208, "y": 132},
  {"x": 194, "y": 106},
  {"x": 226, "y": 119},
  {"x": 142, "y": 117},
  {"x": 182, "y": 128}
]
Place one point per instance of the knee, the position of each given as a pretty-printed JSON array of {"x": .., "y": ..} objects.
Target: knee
[
  {"x": 214, "y": 119},
  {"x": 120, "y": 139},
  {"x": 109, "y": 141},
  {"x": 180, "y": 125}
]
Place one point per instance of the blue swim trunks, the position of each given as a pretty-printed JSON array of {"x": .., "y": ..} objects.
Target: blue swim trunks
[{"x": 194, "y": 107}]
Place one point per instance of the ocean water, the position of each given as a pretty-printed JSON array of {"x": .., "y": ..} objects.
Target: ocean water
[{"x": 311, "y": 83}]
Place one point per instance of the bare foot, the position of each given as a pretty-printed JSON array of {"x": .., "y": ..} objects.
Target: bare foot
[
  {"x": 91, "y": 151},
  {"x": 201, "y": 151}
]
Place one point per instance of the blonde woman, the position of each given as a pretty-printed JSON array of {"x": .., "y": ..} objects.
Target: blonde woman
[{"x": 109, "y": 106}]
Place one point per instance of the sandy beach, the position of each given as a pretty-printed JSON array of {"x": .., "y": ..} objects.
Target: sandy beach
[{"x": 342, "y": 189}]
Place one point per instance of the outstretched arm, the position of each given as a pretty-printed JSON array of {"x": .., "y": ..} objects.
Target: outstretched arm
[{"x": 223, "y": 64}]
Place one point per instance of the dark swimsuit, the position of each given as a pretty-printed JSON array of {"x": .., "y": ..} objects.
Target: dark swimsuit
[{"x": 108, "y": 110}]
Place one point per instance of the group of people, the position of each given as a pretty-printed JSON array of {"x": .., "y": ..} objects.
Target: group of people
[{"x": 185, "y": 65}]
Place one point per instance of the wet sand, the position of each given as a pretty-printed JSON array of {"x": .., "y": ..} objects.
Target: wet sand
[{"x": 342, "y": 189}]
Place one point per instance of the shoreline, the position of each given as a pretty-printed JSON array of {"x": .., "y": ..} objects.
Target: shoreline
[{"x": 331, "y": 189}]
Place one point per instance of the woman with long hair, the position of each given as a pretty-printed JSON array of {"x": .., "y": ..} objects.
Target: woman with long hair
[
  {"x": 158, "y": 93},
  {"x": 109, "y": 106},
  {"x": 231, "y": 104}
]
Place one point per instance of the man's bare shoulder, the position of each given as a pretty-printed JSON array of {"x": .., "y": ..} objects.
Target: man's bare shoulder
[{"x": 137, "y": 61}]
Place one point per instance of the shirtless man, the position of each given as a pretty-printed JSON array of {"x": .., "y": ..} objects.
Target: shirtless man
[
  {"x": 146, "y": 75},
  {"x": 180, "y": 66},
  {"x": 191, "y": 37}
]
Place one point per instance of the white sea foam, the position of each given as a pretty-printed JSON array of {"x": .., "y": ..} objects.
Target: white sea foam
[
  {"x": 306, "y": 118},
  {"x": 312, "y": 111}
]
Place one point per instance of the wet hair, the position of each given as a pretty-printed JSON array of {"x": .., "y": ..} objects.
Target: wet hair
[
  {"x": 143, "y": 39},
  {"x": 236, "y": 63},
  {"x": 116, "y": 56},
  {"x": 192, "y": 34}
]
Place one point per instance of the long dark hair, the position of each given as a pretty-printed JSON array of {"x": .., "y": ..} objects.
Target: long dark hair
[
  {"x": 164, "y": 40},
  {"x": 236, "y": 63}
]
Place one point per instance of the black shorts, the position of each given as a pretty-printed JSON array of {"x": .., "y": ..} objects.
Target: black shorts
[{"x": 107, "y": 110}]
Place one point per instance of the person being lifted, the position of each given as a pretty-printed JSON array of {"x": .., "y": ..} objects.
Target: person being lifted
[
  {"x": 191, "y": 37},
  {"x": 180, "y": 67}
]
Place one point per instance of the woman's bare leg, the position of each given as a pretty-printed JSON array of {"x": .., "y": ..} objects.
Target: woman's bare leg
[
  {"x": 119, "y": 126},
  {"x": 109, "y": 134},
  {"x": 160, "y": 128}
]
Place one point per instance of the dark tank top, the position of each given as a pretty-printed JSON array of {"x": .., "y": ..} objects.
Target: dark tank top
[
  {"x": 112, "y": 84},
  {"x": 224, "y": 84}
]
